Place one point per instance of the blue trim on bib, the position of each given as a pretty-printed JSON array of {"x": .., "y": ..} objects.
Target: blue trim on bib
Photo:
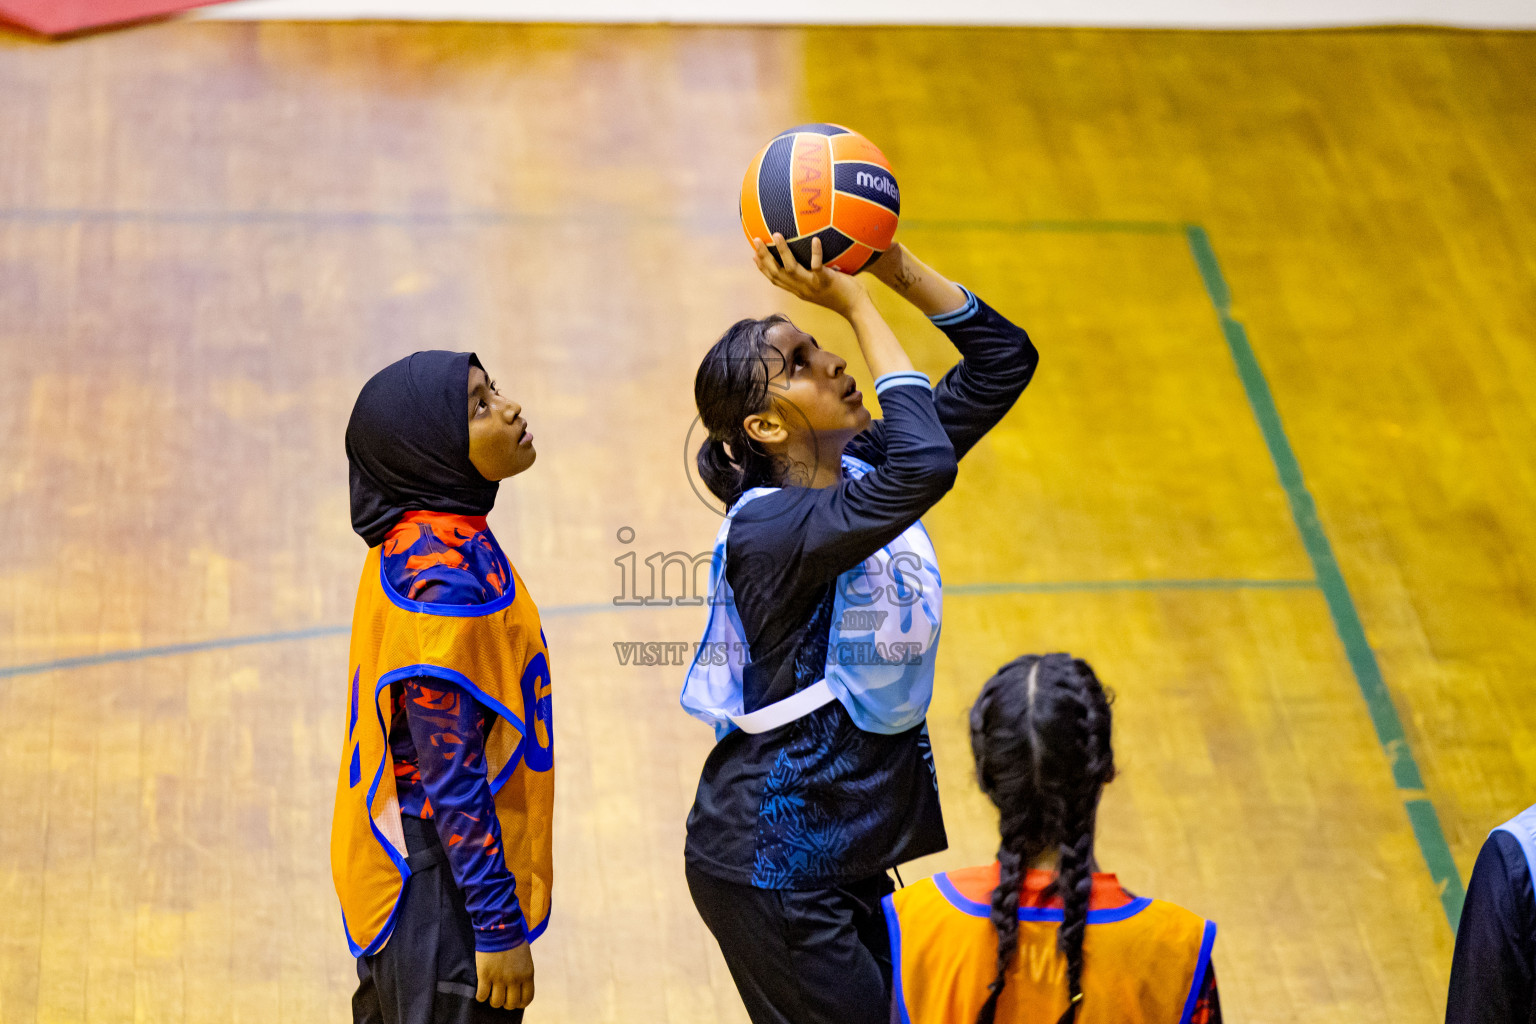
[
  {"x": 959, "y": 902},
  {"x": 456, "y": 611},
  {"x": 969, "y": 906},
  {"x": 383, "y": 937},
  {"x": 389, "y": 848},
  {"x": 893, "y": 929},
  {"x": 1201, "y": 965},
  {"x": 468, "y": 685}
]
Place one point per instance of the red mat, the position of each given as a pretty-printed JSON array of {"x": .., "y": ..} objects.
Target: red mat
[{"x": 57, "y": 17}]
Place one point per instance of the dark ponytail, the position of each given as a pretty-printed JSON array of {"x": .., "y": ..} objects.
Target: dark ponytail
[
  {"x": 1040, "y": 733},
  {"x": 732, "y": 384}
]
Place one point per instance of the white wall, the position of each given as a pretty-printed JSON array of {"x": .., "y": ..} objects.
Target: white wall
[{"x": 1129, "y": 13}]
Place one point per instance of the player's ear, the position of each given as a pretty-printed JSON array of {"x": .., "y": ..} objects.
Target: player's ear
[{"x": 766, "y": 428}]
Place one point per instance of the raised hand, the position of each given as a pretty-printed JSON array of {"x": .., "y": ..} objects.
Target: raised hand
[{"x": 818, "y": 284}]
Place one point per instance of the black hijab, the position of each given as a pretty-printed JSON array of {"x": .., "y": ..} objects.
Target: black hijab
[{"x": 408, "y": 444}]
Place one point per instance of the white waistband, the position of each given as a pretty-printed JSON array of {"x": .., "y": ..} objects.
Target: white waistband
[{"x": 782, "y": 712}]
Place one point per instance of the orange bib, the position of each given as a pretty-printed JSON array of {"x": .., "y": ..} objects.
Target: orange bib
[
  {"x": 1142, "y": 962},
  {"x": 496, "y": 653}
]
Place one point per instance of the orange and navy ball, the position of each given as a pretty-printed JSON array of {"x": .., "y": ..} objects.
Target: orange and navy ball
[{"x": 822, "y": 181}]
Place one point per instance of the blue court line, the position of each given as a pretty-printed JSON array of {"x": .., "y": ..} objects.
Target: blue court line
[
  {"x": 483, "y": 218},
  {"x": 1341, "y": 606},
  {"x": 329, "y": 218},
  {"x": 557, "y": 611},
  {"x": 169, "y": 650},
  {"x": 220, "y": 643},
  {"x": 433, "y": 219}
]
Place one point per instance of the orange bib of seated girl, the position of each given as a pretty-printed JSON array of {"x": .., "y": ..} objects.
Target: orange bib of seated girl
[{"x": 1144, "y": 959}]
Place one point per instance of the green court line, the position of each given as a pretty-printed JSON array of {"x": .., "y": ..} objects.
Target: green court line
[
  {"x": 1119, "y": 227},
  {"x": 1102, "y": 586},
  {"x": 1346, "y": 620}
]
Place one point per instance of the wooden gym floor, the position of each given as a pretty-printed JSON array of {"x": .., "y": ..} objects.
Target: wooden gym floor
[{"x": 1263, "y": 270}]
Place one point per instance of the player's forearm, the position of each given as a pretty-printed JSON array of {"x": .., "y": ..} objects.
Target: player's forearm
[
  {"x": 882, "y": 351},
  {"x": 446, "y": 728},
  {"x": 918, "y": 283},
  {"x": 495, "y": 914},
  {"x": 472, "y": 842}
]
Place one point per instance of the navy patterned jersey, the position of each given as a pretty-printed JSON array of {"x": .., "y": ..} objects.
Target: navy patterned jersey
[
  {"x": 820, "y": 802},
  {"x": 826, "y": 802}
]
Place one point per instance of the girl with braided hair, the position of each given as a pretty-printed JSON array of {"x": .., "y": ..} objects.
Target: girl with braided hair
[
  {"x": 817, "y": 662},
  {"x": 1041, "y": 935}
]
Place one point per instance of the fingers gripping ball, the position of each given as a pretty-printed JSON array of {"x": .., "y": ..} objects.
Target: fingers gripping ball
[{"x": 822, "y": 181}]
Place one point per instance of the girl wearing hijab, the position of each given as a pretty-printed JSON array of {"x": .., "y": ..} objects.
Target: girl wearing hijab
[{"x": 440, "y": 842}]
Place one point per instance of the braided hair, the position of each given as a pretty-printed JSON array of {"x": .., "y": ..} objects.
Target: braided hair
[
  {"x": 732, "y": 384},
  {"x": 1040, "y": 733}
]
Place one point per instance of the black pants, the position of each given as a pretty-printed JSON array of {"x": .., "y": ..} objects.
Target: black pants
[
  {"x": 425, "y": 974},
  {"x": 814, "y": 956}
]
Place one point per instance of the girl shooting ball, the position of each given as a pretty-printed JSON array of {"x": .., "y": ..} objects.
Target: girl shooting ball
[{"x": 822, "y": 776}]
